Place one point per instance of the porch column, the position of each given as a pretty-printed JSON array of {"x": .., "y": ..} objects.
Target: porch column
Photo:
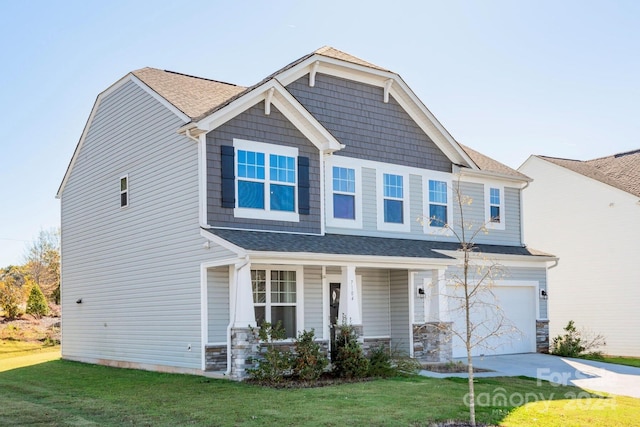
[
  {"x": 349, "y": 298},
  {"x": 441, "y": 312},
  {"x": 244, "y": 314}
]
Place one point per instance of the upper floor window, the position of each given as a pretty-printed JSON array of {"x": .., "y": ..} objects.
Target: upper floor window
[
  {"x": 265, "y": 180},
  {"x": 124, "y": 191},
  {"x": 393, "y": 198},
  {"x": 494, "y": 207},
  {"x": 438, "y": 203},
  {"x": 344, "y": 190},
  {"x": 275, "y": 298}
]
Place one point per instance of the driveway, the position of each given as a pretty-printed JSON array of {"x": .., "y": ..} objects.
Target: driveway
[{"x": 586, "y": 374}]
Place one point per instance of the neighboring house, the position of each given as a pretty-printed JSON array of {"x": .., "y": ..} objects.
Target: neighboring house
[
  {"x": 587, "y": 213},
  {"x": 193, "y": 208}
]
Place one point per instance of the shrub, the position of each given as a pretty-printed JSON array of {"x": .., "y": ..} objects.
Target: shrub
[
  {"x": 349, "y": 360},
  {"x": 380, "y": 362},
  {"x": 309, "y": 361},
  {"x": 576, "y": 343},
  {"x": 275, "y": 363},
  {"x": 37, "y": 303},
  {"x": 12, "y": 291}
]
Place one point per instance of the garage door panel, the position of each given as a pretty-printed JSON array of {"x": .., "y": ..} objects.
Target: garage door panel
[{"x": 517, "y": 335}]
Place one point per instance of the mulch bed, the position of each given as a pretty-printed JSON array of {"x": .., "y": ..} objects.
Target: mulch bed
[{"x": 451, "y": 368}]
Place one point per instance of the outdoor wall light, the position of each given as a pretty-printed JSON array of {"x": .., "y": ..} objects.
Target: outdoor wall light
[
  {"x": 421, "y": 292},
  {"x": 543, "y": 294},
  {"x": 79, "y": 301}
]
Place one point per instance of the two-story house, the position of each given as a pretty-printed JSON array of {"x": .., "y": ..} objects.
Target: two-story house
[{"x": 193, "y": 209}]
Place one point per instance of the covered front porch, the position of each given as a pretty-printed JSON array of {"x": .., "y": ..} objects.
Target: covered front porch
[{"x": 395, "y": 307}]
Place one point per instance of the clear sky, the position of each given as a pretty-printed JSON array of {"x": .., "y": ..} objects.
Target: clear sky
[{"x": 507, "y": 78}]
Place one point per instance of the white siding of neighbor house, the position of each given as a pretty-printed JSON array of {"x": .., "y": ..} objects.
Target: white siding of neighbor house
[
  {"x": 594, "y": 230},
  {"x": 400, "y": 322},
  {"x": 313, "y": 300},
  {"x": 375, "y": 302},
  {"x": 136, "y": 269}
]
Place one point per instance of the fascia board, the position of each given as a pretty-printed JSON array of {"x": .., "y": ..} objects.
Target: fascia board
[
  {"x": 308, "y": 258},
  {"x": 240, "y": 252},
  {"x": 503, "y": 259},
  {"x": 115, "y": 86},
  {"x": 286, "y": 104},
  {"x": 169, "y": 106},
  {"x": 472, "y": 175}
]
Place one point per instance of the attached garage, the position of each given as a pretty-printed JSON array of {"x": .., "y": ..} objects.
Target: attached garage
[{"x": 517, "y": 302}]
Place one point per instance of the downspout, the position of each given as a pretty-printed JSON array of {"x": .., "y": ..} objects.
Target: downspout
[{"x": 237, "y": 266}]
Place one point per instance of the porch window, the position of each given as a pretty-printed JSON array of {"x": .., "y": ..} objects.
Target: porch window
[{"x": 274, "y": 298}]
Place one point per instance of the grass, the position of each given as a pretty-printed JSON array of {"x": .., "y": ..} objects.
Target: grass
[
  {"x": 620, "y": 360},
  {"x": 59, "y": 392},
  {"x": 18, "y": 354}
]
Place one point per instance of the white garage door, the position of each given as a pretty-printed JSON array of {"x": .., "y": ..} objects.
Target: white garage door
[{"x": 518, "y": 307}]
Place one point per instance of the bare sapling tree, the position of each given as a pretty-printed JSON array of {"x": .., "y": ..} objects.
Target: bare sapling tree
[{"x": 471, "y": 286}]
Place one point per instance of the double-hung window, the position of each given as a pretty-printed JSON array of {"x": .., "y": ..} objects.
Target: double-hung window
[
  {"x": 275, "y": 298},
  {"x": 438, "y": 203},
  {"x": 344, "y": 193},
  {"x": 393, "y": 200},
  {"x": 494, "y": 207},
  {"x": 266, "y": 181}
]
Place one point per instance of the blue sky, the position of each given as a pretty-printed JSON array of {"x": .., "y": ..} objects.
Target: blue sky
[{"x": 507, "y": 78}]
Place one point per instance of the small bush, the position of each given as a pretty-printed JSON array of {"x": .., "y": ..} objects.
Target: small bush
[
  {"x": 380, "y": 362},
  {"x": 576, "y": 343},
  {"x": 349, "y": 360},
  {"x": 37, "y": 303},
  {"x": 275, "y": 364},
  {"x": 309, "y": 361}
]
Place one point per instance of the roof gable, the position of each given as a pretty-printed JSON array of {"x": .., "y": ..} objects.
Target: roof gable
[{"x": 621, "y": 170}]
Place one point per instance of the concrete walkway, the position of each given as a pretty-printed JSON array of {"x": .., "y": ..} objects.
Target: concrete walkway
[{"x": 586, "y": 374}]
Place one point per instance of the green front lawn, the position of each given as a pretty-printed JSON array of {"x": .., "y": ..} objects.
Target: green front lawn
[
  {"x": 629, "y": 361},
  {"x": 64, "y": 393}
]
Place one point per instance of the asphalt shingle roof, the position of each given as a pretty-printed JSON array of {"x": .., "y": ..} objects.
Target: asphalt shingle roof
[
  {"x": 338, "y": 244},
  {"x": 621, "y": 170},
  {"x": 490, "y": 165}
]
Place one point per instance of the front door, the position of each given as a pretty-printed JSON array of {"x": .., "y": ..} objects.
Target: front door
[{"x": 334, "y": 308}]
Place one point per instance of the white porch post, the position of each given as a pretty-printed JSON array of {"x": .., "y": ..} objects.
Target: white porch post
[
  {"x": 349, "y": 298},
  {"x": 441, "y": 312},
  {"x": 244, "y": 314}
]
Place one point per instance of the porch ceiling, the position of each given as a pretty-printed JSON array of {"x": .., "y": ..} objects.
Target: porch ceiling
[{"x": 338, "y": 244}]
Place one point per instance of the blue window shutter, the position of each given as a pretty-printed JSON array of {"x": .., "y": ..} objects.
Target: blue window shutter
[
  {"x": 228, "y": 177},
  {"x": 303, "y": 186}
]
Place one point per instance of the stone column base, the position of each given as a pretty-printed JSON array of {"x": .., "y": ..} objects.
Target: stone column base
[
  {"x": 244, "y": 347},
  {"x": 432, "y": 342},
  {"x": 542, "y": 336}
]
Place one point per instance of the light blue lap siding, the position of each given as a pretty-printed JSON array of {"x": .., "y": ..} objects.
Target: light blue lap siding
[
  {"x": 356, "y": 115},
  {"x": 400, "y": 322},
  {"x": 375, "y": 302},
  {"x": 218, "y": 301},
  {"x": 313, "y": 300}
]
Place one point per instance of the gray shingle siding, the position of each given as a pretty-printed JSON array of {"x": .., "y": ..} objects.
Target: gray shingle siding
[
  {"x": 356, "y": 115},
  {"x": 254, "y": 125}
]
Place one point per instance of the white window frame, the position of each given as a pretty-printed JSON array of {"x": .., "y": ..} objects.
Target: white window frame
[
  {"x": 299, "y": 304},
  {"x": 342, "y": 162},
  {"x": 381, "y": 170},
  {"x": 427, "y": 228},
  {"x": 266, "y": 213},
  {"x": 126, "y": 191},
  {"x": 487, "y": 207}
]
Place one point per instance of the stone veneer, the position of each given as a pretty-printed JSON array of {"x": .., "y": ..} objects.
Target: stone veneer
[
  {"x": 215, "y": 357},
  {"x": 244, "y": 346},
  {"x": 371, "y": 343},
  {"x": 542, "y": 336},
  {"x": 432, "y": 342}
]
